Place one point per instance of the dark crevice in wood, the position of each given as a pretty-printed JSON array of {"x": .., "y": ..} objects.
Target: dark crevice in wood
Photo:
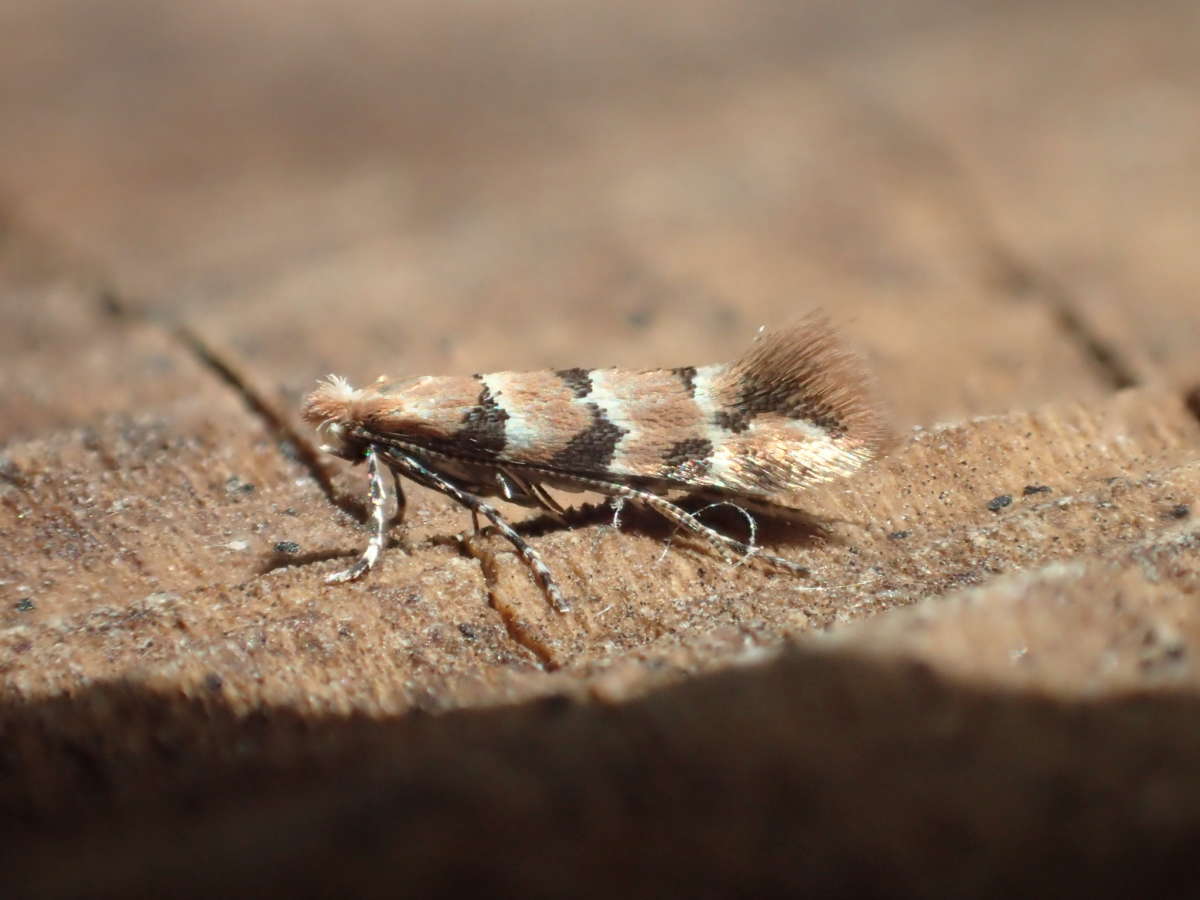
[
  {"x": 471, "y": 545},
  {"x": 1192, "y": 401},
  {"x": 290, "y": 442},
  {"x": 1019, "y": 277},
  {"x": 1004, "y": 266},
  {"x": 113, "y": 304}
]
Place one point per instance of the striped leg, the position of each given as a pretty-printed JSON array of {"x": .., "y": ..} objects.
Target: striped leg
[
  {"x": 751, "y": 522},
  {"x": 685, "y": 519},
  {"x": 377, "y": 492},
  {"x": 618, "y": 505},
  {"x": 412, "y": 468},
  {"x": 516, "y": 489},
  {"x": 680, "y": 516}
]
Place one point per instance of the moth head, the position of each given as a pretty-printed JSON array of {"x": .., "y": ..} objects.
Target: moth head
[{"x": 333, "y": 408}]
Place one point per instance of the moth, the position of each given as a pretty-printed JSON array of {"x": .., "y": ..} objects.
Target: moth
[{"x": 795, "y": 410}]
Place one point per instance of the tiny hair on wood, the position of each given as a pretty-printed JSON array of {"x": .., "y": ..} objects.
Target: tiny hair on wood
[{"x": 797, "y": 409}]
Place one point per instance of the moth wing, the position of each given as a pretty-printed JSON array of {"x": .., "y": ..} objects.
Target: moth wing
[{"x": 799, "y": 408}]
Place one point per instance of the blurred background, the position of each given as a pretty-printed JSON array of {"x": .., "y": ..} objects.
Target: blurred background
[
  {"x": 997, "y": 199},
  {"x": 990, "y": 674}
]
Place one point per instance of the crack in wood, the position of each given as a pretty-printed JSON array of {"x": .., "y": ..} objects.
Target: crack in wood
[
  {"x": 517, "y": 633},
  {"x": 288, "y": 440},
  {"x": 286, "y": 436},
  {"x": 1015, "y": 274},
  {"x": 1191, "y": 400},
  {"x": 1019, "y": 276}
]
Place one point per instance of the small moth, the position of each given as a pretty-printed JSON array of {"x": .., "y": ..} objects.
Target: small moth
[{"x": 795, "y": 410}]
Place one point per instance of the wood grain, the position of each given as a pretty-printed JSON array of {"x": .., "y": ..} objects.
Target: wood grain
[{"x": 988, "y": 683}]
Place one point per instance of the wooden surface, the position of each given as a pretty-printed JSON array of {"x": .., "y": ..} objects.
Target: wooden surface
[{"x": 204, "y": 207}]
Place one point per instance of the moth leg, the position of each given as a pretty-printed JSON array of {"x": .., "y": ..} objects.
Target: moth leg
[
  {"x": 401, "y": 500},
  {"x": 510, "y": 488},
  {"x": 751, "y": 522},
  {"x": 377, "y": 493},
  {"x": 516, "y": 489},
  {"x": 548, "y": 503},
  {"x": 684, "y": 519},
  {"x": 618, "y": 506},
  {"x": 422, "y": 474}
]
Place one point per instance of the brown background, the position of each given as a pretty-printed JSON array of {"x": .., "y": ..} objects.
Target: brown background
[{"x": 204, "y": 207}]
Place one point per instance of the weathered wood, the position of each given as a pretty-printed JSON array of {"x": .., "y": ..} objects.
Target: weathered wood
[{"x": 988, "y": 676}]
